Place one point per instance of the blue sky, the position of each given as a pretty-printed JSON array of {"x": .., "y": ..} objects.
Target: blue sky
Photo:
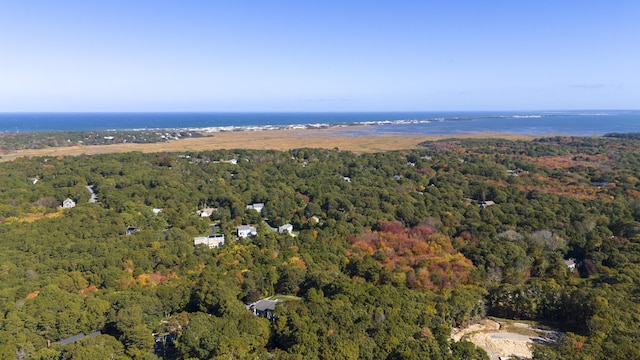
[{"x": 318, "y": 55}]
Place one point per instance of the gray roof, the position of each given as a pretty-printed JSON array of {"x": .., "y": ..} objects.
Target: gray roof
[
  {"x": 77, "y": 337},
  {"x": 264, "y": 305},
  {"x": 287, "y": 227}
]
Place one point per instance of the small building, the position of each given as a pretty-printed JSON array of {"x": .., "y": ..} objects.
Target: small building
[
  {"x": 94, "y": 197},
  {"x": 156, "y": 211},
  {"x": 256, "y": 206},
  {"x": 286, "y": 228},
  {"x": 397, "y": 177},
  {"x": 245, "y": 231},
  {"x": 600, "y": 184},
  {"x": 264, "y": 308},
  {"x": 130, "y": 230},
  {"x": 486, "y": 204},
  {"x": 346, "y": 178},
  {"x": 68, "y": 203},
  {"x": 206, "y": 212},
  {"x": 71, "y": 340},
  {"x": 33, "y": 180},
  {"x": 571, "y": 264},
  {"x": 213, "y": 240}
]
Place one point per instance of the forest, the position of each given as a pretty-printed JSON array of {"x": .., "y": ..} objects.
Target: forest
[
  {"x": 389, "y": 251},
  {"x": 38, "y": 140}
]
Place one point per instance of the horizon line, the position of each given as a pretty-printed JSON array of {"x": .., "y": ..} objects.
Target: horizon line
[{"x": 296, "y": 112}]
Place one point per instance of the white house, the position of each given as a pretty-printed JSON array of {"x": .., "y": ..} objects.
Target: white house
[
  {"x": 156, "y": 211},
  {"x": 212, "y": 241},
  {"x": 68, "y": 203},
  {"x": 206, "y": 212},
  {"x": 286, "y": 228},
  {"x": 256, "y": 206},
  {"x": 245, "y": 231},
  {"x": 570, "y": 264},
  {"x": 486, "y": 204}
]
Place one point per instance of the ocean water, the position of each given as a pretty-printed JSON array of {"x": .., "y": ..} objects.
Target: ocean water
[{"x": 428, "y": 123}]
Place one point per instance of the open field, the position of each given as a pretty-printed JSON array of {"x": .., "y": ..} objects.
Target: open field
[{"x": 263, "y": 140}]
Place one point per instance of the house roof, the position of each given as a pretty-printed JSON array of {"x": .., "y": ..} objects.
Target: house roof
[
  {"x": 70, "y": 340},
  {"x": 487, "y": 203},
  {"x": 570, "y": 262},
  {"x": 263, "y": 305},
  {"x": 77, "y": 337}
]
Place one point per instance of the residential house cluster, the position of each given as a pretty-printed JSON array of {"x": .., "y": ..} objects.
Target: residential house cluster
[{"x": 243, "y": 231}]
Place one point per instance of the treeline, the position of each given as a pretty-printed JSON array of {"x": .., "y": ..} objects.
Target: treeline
[
  {"x": 632, "y": 136},
  {"x": 391, "y": 250},
  {"x": 39, "y": 140}
]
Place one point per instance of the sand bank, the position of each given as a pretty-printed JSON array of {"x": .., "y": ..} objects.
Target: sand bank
[{"x": 506, "y": 339}]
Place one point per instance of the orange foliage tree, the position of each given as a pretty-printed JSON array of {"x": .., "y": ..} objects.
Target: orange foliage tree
[{"x": 426, "y": 257}]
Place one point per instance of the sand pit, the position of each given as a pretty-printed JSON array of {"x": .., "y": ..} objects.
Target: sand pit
[{"x": 505, "y": 339}]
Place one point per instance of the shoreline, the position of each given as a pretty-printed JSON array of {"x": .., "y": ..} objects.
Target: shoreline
[{"x": 281, "y": 139}]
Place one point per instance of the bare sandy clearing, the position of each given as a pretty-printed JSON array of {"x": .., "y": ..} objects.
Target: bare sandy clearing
[{"x": 504, "y": 340}]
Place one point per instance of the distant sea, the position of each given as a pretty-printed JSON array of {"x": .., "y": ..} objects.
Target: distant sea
[{"x": 591, "y": 122}]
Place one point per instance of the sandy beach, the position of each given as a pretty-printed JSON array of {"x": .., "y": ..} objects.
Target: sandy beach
[{"x": 264, "y": 140}]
